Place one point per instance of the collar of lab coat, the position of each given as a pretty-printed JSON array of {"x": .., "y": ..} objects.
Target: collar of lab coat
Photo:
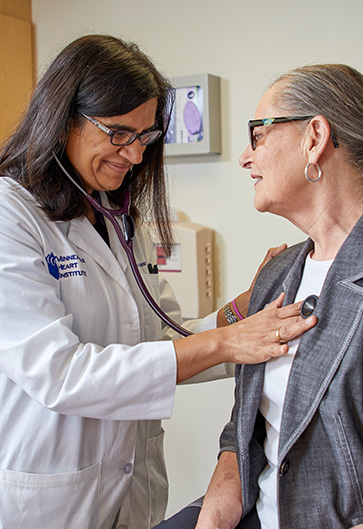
[{"x": 112, "y": 259}]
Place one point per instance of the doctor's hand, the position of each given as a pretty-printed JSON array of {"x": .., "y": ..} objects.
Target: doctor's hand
[
  {"x": 253, "y": 340},
  {"x": 263, "y": 335}
]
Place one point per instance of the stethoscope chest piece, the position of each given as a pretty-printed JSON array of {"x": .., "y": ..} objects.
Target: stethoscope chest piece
[{"x": 308, "y": 306}]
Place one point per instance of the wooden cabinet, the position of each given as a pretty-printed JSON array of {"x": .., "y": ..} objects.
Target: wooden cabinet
[{"x": 16, "y": 62}]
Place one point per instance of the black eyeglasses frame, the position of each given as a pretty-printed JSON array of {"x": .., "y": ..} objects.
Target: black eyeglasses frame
[
  {"x": 146, "y": 138},
  {"x": 272, "y": 121}
]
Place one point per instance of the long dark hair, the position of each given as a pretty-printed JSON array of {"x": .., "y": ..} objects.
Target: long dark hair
[{"x": 98, "y": 75}]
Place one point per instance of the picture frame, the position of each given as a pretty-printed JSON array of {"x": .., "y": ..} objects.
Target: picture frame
[{"x": 195, "y": 124}]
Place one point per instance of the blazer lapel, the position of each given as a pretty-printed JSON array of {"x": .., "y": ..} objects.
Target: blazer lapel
[
  {"x": 321, "y": 350},
  {"x": 249, "y": 378},
  {"x": 293, "y": 278}
]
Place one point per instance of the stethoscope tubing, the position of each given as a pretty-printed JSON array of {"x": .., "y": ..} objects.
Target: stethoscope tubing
[
  {"x": 127, "y": 246},
  {"x": 126, "y": 243}
]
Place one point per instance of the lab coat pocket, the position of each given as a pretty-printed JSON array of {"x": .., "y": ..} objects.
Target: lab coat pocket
[
  {"x": 152, "y": 282},
  {"x": 64, "y": 501},
  {"x": 157, "y": 478}
]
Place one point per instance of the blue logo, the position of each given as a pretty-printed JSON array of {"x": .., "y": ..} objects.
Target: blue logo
[
  {"x": 64, "y": 266},
  {"x": 52, "y": 265}
]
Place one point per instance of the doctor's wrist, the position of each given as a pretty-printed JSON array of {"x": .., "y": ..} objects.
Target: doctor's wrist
[
  {"x": 242, "y": 302},
  {"x": 234, "y": 311},
  {"x": 229, "y": 314}
]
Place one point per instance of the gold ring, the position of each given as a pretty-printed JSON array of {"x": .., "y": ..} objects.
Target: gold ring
[{"x": 278, "y": 336}]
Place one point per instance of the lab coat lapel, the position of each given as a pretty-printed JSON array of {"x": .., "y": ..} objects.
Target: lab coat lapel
[
  {"x": 115, "y": 245},
  {"x": 322, "y": 349},
  {"x": 84, "y": 235}
]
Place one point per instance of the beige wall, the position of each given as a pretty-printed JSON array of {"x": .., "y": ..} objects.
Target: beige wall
[{"x": 247, "y": 44}]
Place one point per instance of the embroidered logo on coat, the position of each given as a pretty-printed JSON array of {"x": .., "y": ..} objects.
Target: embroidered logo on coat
[
  {"x": 64, "y": 266},
  {"x": 52, "y": 265}
]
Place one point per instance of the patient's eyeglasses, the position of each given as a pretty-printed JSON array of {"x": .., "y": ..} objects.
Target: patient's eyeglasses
[{"x": 274, "y": 121}]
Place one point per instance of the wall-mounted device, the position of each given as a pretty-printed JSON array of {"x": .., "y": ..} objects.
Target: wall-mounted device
[
  {"x": 189, "y": 270},
  {"x": 195, "y": 124}
]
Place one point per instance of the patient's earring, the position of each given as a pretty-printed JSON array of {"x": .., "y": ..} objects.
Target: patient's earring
[{"x": 307, "y": 176}]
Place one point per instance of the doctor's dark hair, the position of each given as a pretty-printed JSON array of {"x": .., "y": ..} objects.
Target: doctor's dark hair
[
  {"x": 98, "y": 75},
  {"x": 334, "y": 91}
]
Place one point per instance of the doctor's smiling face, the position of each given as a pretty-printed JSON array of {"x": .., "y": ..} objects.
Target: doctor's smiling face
[
  {"x": 277, "y": 162},
  {"x": 101, "y": 164}
]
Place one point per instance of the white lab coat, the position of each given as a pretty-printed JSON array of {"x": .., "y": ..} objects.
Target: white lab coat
[{"x": 80, "y": 426}]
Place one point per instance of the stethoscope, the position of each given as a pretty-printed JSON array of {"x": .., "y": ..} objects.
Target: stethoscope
[{"x": 126, "y": 237}]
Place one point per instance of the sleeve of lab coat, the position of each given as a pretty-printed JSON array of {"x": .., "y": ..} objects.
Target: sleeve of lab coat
[
  {"x": 42, "y": 355},
  {"x": 172, "y": 308}
]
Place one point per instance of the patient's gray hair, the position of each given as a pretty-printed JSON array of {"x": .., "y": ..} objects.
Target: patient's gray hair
[{"x": 334, "y": 91}]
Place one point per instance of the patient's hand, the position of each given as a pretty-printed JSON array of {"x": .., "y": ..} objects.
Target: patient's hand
[{"x": 222, "y": 506}]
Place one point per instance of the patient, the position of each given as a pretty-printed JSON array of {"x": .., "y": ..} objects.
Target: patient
[{"x": 291, "y": 456}]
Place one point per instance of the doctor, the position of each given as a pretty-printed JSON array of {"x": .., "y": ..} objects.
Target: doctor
[{"x": 84, "y": 377}]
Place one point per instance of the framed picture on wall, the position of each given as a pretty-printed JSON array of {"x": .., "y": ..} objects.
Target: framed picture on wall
[{"x": 195, "y": 124}]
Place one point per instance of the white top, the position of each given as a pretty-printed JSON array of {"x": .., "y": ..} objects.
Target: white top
[{"x": 273, "y": 395}]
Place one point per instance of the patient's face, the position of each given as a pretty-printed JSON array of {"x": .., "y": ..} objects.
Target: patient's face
[{"x": 278, "y": 161}]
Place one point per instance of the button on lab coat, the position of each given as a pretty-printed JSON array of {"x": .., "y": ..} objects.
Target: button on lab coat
[{"x": 84, "y": 376}]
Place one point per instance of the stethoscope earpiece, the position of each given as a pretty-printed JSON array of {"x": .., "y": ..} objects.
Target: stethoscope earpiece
[{"x": 308, "y": 306}]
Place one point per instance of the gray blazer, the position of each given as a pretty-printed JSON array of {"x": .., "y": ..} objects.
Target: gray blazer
[{"x": 321, "y": 444}]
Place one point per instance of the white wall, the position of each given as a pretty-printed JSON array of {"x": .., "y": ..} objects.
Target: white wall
[{"x": 247, "y": 44}]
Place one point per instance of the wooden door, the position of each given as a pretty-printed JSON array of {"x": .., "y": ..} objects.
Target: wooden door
[{"x": 16, "y": 65}]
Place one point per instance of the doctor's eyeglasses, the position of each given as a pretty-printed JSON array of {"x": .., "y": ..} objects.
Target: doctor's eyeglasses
[
  {"x": 272, "y": 121},
  {"x": 126, "y": 137}
]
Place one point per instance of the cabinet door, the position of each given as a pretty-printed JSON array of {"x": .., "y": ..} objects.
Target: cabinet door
[{"x": 16, "y": 71}]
